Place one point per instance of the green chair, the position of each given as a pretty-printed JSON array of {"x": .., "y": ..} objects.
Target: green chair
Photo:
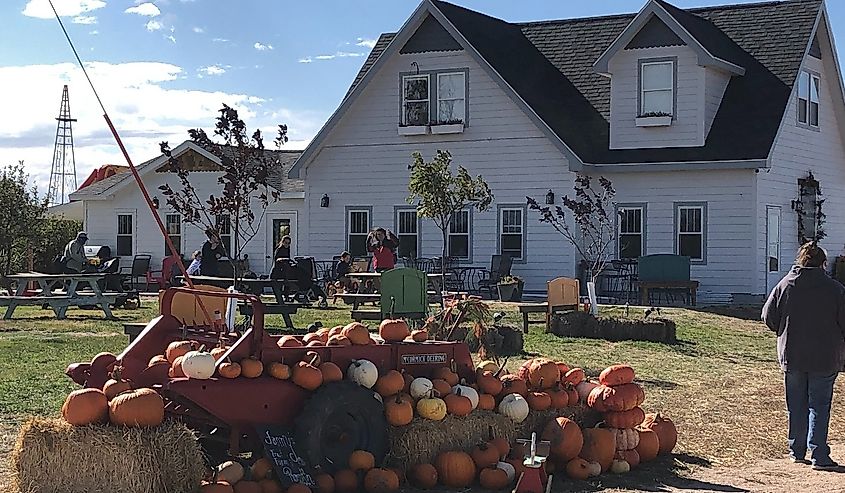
[{"x": 404, "y": 293}]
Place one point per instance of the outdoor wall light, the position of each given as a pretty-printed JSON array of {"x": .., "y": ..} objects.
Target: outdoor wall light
[
  {"x": 324, "y": 201},
  {"x": 155, "y": 202},
  {"x": 550, "y": 198}
]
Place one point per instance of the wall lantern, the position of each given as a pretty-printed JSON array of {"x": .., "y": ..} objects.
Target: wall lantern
[
  {"x": 324, "y": 201},
  {"x": 155, "y": 202},
  {"x": 550, "y": 198}
]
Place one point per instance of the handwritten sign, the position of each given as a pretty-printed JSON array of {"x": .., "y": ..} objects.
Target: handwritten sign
[
  {"x": 280, "y": 450},
  {"x": 423, "y": 359}
]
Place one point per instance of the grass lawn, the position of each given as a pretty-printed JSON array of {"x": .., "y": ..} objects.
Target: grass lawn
[{"x": 720, "y": 383}]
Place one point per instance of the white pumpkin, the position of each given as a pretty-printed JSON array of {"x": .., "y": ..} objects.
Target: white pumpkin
[
  {"x": 515, "y": 407},
  {"x": 509, "y": 469},
  {"x": 420, "y": 387},
  {"x": 363, "y": 372},
  {"x": 593, "y": 469},
  {"x": 620, "y": 467},
  {"x": 626, "y": 438},
  {"x": 230, "y": 471},
  {"x": 468, "y": 392},
  {"x": 198, "y": 365},
  {"x": 487, "y": 365},
  {"x": 584, "y": 388}
]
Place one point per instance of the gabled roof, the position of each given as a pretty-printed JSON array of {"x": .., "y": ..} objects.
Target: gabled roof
[{"x": 549, "y": 64}]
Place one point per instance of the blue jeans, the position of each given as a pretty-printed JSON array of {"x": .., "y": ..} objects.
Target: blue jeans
[{"x": 808, "y": 398}]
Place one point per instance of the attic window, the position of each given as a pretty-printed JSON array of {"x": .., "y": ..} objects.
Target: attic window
[
  {"x": 808, "y": 99},
  {"x": 657, "y": 88},
  {"x": 415, "y": 100}
]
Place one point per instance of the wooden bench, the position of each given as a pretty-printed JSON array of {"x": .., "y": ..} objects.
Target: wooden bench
[
  {"x": 59, "y": 303},
  {"x": 283, "y": 309}
]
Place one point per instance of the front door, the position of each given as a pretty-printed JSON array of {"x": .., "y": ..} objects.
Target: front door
[
  {"x": 278, "y": 226},
  {"x": 773, "y": 261}
]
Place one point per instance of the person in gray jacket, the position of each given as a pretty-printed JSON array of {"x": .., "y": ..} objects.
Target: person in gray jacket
[
  {"x": 74, "y": 254},
  {"x": 807, "y": 311}
]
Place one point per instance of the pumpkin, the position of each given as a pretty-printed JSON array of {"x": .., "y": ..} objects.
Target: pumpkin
[
  {"x": 493, "y": 478},
  {"x": 261, "y": 469},
  {"x": 468, "y": 392},
  {"x": 543, "y": 373},
  {"x": 420, "y": 387},
  {"x": 390, "y": 383},
  {"x": 515, "y": 407},
  {"x": 488, "y": 383},
  {"x": 616, "y": 375},
  {"x": 500, "y": 443},
  {"x": 578, "y": 469},
  {"x": 424, "y": 476},
  {"x": 289, "y": 341},
  {"x": 336, "y": 330},
  {"x": 458, "y": 404},
  {"x": 331, "y": 372},
  {"x": 649, "y": 445},
  {"x": 229, "y": 369},
  {"x": 115, "y": 385},
  {"x": 562, "y": 368},
  {"x": 270, "y": 486},
  {"x": 619, "y": 467},
  {"x": 620, "y": 398},
  {"x": 539, "y": 401},
  {"x": 176, "y": 368},
  {"x": 361, "y": 460},
  {"x": 306, "y": 375},
  {"x": 667, "y": 434},
  {"x": 398, "y": 411},
  {"x": 512, "y": 384},
  {"x": 357, "y": 333},
  {"x": 574, "y": 376},
  {"x": 278, "y": 370},
  {"x": 632, "y": 457},
  {"x": 251, "y": 367},
  {"x": 433, "y": 408},
  {"x": 324, "y": 334},
  {"x": 572, "y": 395},
  {"x": 559, "y": 397},
  {"x": 298, "y": 488},
  {"x": 198, "y": 365},
  {"x": 599, "y": 446},
  {"x": 441, "y": 386},
  {"x": 486, "y": 365},
  {"x": 455, "y": 469},
  {"x": 420, "y": 335},
  {"x": 312, "y": 357},
  {"x": 393, "y": 330},
  {"x": 105, "y": 360},
  {"x": 624, "y": 419},
  {"x": 584, "y": 388},
  {"x": 230, "y": 471},
  {"x": 244, "y": 486},
  {"x": 626, "y": 438},
  {"x": 445, "y": 373},
  {"x": 407, "y": 378},
  {"x": 565, "y": 438},
  {"x": 157, "y": 360},
  {"x": 509, "y": 470},
  {"x": 339, "y": 340},
  {"x": 138, "y": 408},
  {"x": 486, "y": 402},
  {"x": 363, "y": 372},
  {"x": 316, "y": 343},
  {"x": 345, "y": 481},
  {"x": 85, "y": 406},
  {"x": 518, "y": 464},
  {"x": 314, "y": 337},
  {"x": 216, "y": 487},
  {"x": 176, "y": 349},
  {"x": 485, "y": 455},
  {"x": 380, "y": 481},
  {"x": 218, "y": 352},
  {"x": 325, "y": 483}
]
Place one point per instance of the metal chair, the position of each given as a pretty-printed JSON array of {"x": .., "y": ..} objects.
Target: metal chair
[
  {"x": 166, "y": 276},
  {"x": 500, "y": 266},
  {"x": 404, "y": 293},
  {"x": 139, "y": 269}
]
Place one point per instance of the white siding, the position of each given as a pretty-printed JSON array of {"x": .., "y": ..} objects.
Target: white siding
[
  {"x": 798, "y": 151},
  {"x": 365, "y": 162},
  {"x": 715, "y": 83}
]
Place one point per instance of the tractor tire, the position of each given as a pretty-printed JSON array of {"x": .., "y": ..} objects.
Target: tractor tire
[{"x": 339, "y": 418}]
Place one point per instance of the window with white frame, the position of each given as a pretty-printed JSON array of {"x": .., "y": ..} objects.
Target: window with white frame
[
  {"x": 224, "y": 226},
  {"x": 657, "y": 88},
  {"x": 357, "y": 227},
  {"x": 690, "y": 224},
  {"x": 406, "y": 230},
  {"x": 125, "y": 235},
  {"x": 459, "y": 244},
  {"x": 808, "y": 99},
  {"x": 173, "y": 224},
  {"x": 511, "y": 232},
  {"x": 451, "y": 97},
  {"x": 631, "y": 230},
  {"x": 415, "y": 100}
]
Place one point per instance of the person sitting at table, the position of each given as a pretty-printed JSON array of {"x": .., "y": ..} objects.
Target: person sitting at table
[
  {"x": 342, "y": 268},
  {"x": 212, "y": 252},
  {"x": 196, "y": 261},
  {"x": 382, "y": 244},
  {"x": 74, "y": 255}
]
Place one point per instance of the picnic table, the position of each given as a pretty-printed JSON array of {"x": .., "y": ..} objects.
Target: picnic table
[
  {"x": 280, "y": 307},
  {"x": 59, "y": 292}
]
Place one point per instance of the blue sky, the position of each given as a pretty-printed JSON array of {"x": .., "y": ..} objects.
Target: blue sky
[{"x": 164, "y": 66}]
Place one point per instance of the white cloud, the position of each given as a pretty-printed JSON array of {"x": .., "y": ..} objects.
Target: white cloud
[
  {"x": 213, "y": 70},
  {"x": 220, "y": 40},
  {"x": 154, "y": 26},
  {"x": 41, "y": 8},
  {"x": 94, "y": 32},
  {"x": 171, "y": 38},
  {"x": 85, "y": 19},
  {"x": 369, "y": 43},
  {"x": 339, "y": 54},
  {"x": 198, "y": 30},
  {"x": 145, "y": 9},
  {"x": 262, "y": 47},
  {"x": 305, "y": 60},
  {"x": 324, "y": 57},
  {"x": 143, "y": 105}
]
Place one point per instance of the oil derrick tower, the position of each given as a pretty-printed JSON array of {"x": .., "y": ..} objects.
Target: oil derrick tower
[{"x": 63, "y": 172}]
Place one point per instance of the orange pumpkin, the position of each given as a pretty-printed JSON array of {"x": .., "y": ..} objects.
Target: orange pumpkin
[
  {"x": 512, "y": 384},
  {"x": 361, "y": 460},
  {"x": 492, "y": 478},
  {"x": 325, "y": 483},
  {"x": 424, "y": 476},
  {"x": 345, "y": 481},
  {"x": 261, "y": 469},
  {"x": 298, "y": 488},
  {"x": 539, "y": 401},
  {"x": 379, "y": 480},
  {"x": 620, "y": 398},
  {"x": 485, "y": 455},
  {"x": 314, "y": 337},
  {"x": 289, "y": 341},
  {"x": 357, "y": 333},
  {"x": 399, "y": 410},
  {"x": 176, "y": 349},
  {"x": 624, "y": 419},
  {"x": 336, "y": 330},
  {"x": 331, "y": 372},
  {"x": 562, "y": 367},
  {"x": 488, "y": 383},
  {"x": 518, "y": 464},
  {"x": 565, "y": 437},
  {"x": 445, "y": 373},
  {"x": 649, "y": 445},
  {"x": 218, "y": 352},
  {"x": 390, "y": 383},
  {"x": 216, "y": 487},
  {"x": 270, "y": 486},
  {"x": 574, "y": 376},
  {"x": 158, "y": 360},
  {"x": 632, "y": 457},
  {"x": 245, "y": 486},
  {"x": 573, "y": 395},
  {"x": 408, "y": 378},
  {"x": 667, "y": 434},
  {"x": 500, "y": 443},
  {"x": 486, "y": 402},
  {"x": 85, "y": 406},
  {"x": 420, "y": 335},
  {"x": 578, "y": 469},
  {"x": 323, "y": 333},
  {"x": 599, "y": 446},
  {"x": 115, "y": 385},
  {"x": 455, "y": 469},
  {"x": 339, "y": 340},
  {"x": 441, "y": 386},
  {"x": 393, "y": 330},
  {"x": 616, "y": 375},
  {"x": 543, "y": 373},
  {"x": 457, "y": 404},
  {"x": 279, "y": 370},
  {"x": 559, "y": 397},
  {"x": 229, "y": 369},
  {"x": 176, "y": 368},
  {"x": 251, "y": 367},
  {"x": 137, "y": 408},
  {"x": 316, "y": 343},
  {"x": 306, "y": 375}
]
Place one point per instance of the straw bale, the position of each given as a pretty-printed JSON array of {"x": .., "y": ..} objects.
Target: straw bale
[
  {"x": 421, "y": 440},
  {"x": 51, "y": 456}
]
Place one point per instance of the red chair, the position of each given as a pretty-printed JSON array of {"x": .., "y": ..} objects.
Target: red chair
[{"x": 165, "y": 275}]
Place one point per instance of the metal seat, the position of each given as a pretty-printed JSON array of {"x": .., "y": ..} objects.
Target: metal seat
[
  {"x": 139, "y": 269},
  {"x": 500, "y": 266}
]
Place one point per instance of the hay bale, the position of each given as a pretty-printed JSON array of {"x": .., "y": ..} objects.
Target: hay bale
[
  {"x": 51, "y": 456},
  {"x": 421, "y": 441}
]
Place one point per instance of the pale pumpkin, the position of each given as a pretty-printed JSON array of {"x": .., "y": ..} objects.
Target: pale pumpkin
[
  {"x": 515, "y": 407},
  {"x": 198, "y": 365},
  {"x": 509, "y": 470},
  {"x": 420, "y": 387},
  {"x": 433, "y": 408},
  {"x": 626, "y": 438},
  {"x": 486, "y": 365},
  {"x": 85, "y": 406},
  {"x": 468, "y": 392},
  {"x": 620, "y": 467},
  {"x": 230, "y": 471},
  {"x": 137, "y": 408},
  {"x": 363, "y": 372}
]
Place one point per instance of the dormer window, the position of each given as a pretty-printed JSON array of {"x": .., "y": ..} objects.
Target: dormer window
[
  {"x": 415, "y": 100},
  {"x": 451, "y": 97},
  {"x": 808, "y": 99},
  {"x": 657, "y": 88}
]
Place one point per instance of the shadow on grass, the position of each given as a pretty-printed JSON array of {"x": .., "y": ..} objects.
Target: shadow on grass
[{"x": 744, "y": 312}]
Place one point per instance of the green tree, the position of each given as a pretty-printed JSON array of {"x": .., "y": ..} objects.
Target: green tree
[
  {"x": 22, "y": 212},
  {"x": 53, "y": 235},
  {"x": 438, "y": 193}
]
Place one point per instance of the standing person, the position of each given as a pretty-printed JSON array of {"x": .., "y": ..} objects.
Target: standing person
[
  {"x": 282, "y": 260},
  {"x": 74, "y": 254},
  {"x": 212, "y": 252},
  {"x": 382, "y": 244},
  {"x": 807, "y": 311}
]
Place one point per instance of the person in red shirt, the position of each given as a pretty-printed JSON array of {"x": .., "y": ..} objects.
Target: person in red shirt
[{"x": 382, "y": 244}]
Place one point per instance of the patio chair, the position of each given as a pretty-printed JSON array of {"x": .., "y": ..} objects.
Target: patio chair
[
  {"x": 500, "y": 266},
  {"x": 166, "y": 275},
  {"x": 404, "y": 293},
  {"x": 139, "y": 269},
  {"x": 563, "y": 294}
]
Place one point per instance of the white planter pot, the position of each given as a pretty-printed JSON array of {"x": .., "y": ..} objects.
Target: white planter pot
[
  {"x": 414, "y": 130},
  {"x": 452, "y": 128},
  {"x": 654, "y": 121}
]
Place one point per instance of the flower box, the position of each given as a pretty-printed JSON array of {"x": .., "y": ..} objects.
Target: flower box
[
  {"x": 413, "y": 130},
  {"x": 653, "y": 121},
  {"x": 447, "y": 128}
]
